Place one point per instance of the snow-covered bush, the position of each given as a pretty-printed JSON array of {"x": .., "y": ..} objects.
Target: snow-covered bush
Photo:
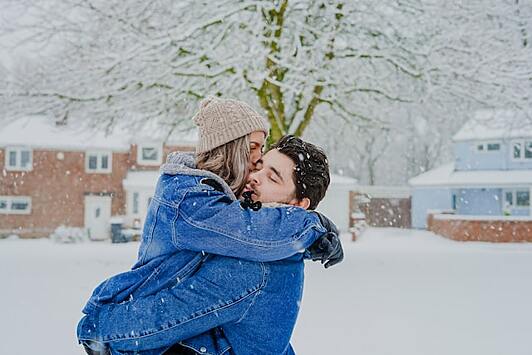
[
  {"x": 64, "y": 234},
  {"x": 9, "y": 237}
]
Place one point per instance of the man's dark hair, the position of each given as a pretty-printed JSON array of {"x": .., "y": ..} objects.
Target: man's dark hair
[{"x": 311, "y": 174}]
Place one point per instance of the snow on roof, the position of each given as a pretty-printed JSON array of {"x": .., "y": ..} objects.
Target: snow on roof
[
  {"x": 342, "y": 180},
  {"x": 495, "y": 124},
  {"x": 42, "y": 132},
  {"x": 141, "y": 179},
  {"x": 446, "y": 176}
]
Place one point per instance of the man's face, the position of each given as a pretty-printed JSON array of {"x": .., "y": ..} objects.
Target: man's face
[
  {"x": 256, "y": 144},
  {"x": 272, "y": 180}
]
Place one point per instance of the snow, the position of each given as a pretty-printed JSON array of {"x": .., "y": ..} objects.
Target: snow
[
  {"x": 42, "y": 132},
  {"x": 342, "y": 180},
  {"x": 495, "y": 124},
  {"x": 385, "y": 191},
  {"x": 400, "y": 292},
  {"x": 445, "y": 175}
]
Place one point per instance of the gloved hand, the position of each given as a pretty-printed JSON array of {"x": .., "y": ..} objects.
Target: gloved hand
[
  {"x": 327, "y": 248},
  {"x": 249, "y": 203}
]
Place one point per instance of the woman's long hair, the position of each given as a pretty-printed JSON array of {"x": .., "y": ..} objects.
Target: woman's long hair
[{"x": 229, "y": 161}]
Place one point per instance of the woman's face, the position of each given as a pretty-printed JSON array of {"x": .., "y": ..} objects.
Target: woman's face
[{"x": 256, "y": 144}]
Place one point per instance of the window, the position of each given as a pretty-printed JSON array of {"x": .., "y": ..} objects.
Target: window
[
  {"x": 528, "y": 150},
  {"x": 522, "y": 150},
  {"x": 522, "y": 198},
  {"x": 135, "y": 202},
  {"x": 18, "y": 158},
  {"x": 98, "y": 162},
  {"x": 488, "y": 147},
  {"x": 494, "y": 147},
  {"x": 15, "y": 205},
  {"x": 509, "y": 198},
  {"x": 517, "y": 150},
  {"x": 149, "y": 154},
  {"x": 518, "y": 198}
]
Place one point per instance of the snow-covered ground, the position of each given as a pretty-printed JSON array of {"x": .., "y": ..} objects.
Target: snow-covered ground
[{"x": 399, "y": 292}]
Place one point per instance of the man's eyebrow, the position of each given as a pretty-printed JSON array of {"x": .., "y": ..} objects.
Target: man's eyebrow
[{"x": 277, "y": 173}]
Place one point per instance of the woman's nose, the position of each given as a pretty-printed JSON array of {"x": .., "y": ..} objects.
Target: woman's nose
[{"x": 255, "y": 157}]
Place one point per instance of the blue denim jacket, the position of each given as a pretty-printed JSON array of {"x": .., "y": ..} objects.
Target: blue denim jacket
[
  {"x": 254, "y": 304},
  {"x": 188, "y": 218}
]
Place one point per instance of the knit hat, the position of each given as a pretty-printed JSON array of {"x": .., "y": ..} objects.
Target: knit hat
[{"x": 223, "y": 120}]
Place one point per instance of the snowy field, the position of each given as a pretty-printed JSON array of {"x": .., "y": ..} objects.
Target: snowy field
[{"x": 398, "y": 292}]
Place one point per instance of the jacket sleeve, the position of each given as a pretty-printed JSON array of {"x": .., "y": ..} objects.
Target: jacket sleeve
[
  {"x": 209, "y": 221},
  {"x": 195, "y": 305}
]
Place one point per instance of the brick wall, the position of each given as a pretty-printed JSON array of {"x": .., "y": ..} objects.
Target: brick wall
[
  {"x": 467, "y": 229},
  {"x": 58, "y": 187}
]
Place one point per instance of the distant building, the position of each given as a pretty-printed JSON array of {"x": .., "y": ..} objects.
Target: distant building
[
  {"x": 491, "y": 174},
  {"x": 54, "y": 175},
  {"x": 336, "y": 204}
]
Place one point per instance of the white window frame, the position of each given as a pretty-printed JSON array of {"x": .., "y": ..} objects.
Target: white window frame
[
  {"x": 9, "y": 201},
  {"x": 142, "y": 161},
  {"x": 18, "y": 166},
  {"x": 514, "y": 198},
  {"x": 485, "y": 147},
  {"x": 99, "y": 155},
  {"x": 523, "y": 143}
]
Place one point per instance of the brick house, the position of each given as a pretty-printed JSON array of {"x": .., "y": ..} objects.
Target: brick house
[{"x": 54, "y": 175}]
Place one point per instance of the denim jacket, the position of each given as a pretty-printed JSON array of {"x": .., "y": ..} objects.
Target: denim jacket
[{"x": 188, "y": 218}]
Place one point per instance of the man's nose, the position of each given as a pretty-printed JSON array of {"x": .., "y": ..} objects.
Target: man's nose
[{"x": 254, "y": 177}]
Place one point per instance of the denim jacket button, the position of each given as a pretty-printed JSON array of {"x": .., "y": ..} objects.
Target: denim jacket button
[{"x": 203, "y": 349}]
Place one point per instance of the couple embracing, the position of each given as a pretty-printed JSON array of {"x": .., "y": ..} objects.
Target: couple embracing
[{"x": 220, "y": 264}]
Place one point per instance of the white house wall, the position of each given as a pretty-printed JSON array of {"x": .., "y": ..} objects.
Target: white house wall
[{"x": 426, "y": 199}]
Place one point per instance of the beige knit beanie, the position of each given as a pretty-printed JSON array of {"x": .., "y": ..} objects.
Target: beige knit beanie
[{"x": 223, "y": 120}]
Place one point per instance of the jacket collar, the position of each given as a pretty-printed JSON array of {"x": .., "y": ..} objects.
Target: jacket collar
[{"x": 184, "y": 163}]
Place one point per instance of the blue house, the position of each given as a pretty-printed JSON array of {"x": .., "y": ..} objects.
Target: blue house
[{"x": 491, "y": 174}]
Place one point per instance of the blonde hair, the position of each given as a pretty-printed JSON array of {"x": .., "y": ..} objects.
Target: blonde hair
[{"x": 229, "y": 161}]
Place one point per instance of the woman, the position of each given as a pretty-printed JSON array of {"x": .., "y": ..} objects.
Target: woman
[{"x": 194, "y": 211}]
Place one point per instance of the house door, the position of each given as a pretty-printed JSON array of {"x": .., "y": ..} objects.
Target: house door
[
  {"x": 138, "y": 202},
  {"x": 97, "y": 216}
]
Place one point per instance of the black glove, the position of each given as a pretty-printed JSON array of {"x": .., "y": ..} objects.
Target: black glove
[
  {"x": 327, "y": 248},
  {"x": 249, "y": 203}
]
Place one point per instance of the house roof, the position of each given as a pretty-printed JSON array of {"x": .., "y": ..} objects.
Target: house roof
[
  {"x": 42, "y": 132},
  {"x": 495, "y": 124},
  {"x": 446, "y": 176}
]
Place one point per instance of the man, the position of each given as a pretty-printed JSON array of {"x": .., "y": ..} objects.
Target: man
[{"x": 251, "y": 307}]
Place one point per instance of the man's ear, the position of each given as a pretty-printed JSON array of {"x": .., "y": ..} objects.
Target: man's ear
[{"x": 304, "y": 203}]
